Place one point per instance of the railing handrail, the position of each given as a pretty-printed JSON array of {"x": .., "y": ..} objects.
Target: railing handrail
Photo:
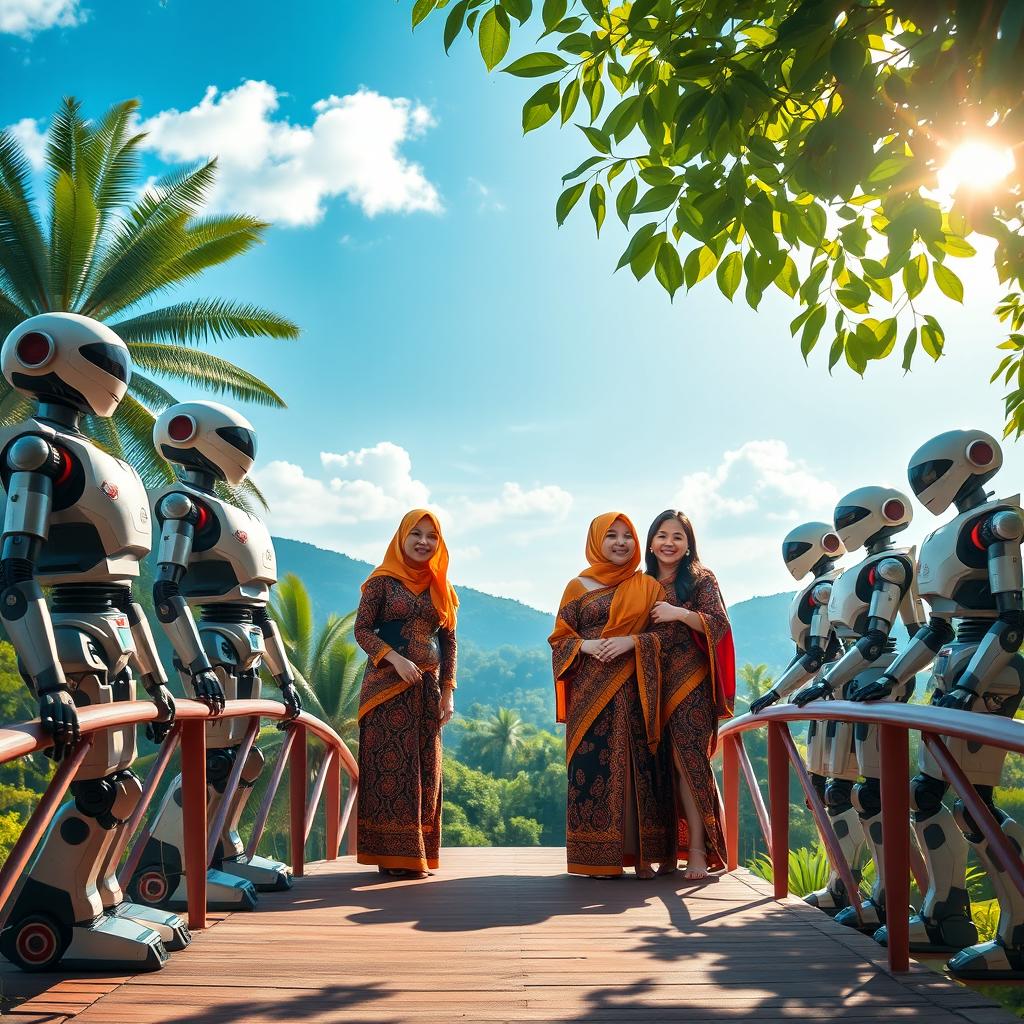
[
  {"x": 1005, "y": 733},
  {"x": 28, "y": 737}
]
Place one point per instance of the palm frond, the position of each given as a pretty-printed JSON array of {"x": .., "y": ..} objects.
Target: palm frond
[
  {"x": 202, "y": 320},
  {"x": 14, "y": 407},
  {"x": 150, "y": 393},
  {"x": 22, "y": 245},
  {"x": 111, "y": 157},
  {"x": 131, "y": 429},
  {"x": 74, "y": 227},
  {"x": 11, "y": 314},
  {"x": 203, "y": 368}
]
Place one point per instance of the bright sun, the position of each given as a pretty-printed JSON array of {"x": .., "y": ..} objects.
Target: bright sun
[{"x": 977, "y": 166}]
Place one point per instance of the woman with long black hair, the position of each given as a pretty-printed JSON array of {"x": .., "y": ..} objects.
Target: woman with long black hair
[{"x": 698, "y": 686}]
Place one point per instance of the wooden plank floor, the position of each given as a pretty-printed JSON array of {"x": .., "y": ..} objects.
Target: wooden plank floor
[{"x": 505, "y": 935}]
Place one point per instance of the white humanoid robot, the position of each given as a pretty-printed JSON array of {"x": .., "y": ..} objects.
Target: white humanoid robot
[
  {"x": 813, "y": 549},
  {"x": 970, "y": 571},
  {"x": 77, "y": 520},
  {"x": 220, "y": 558},
  {"x": 865, "y": 602}
]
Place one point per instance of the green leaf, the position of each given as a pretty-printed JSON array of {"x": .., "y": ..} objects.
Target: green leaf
[
  {"x": 625, "y": 199},
  {"x": 958, "y": 247},
  {"x": 494, "y": 35},
  {"x": 668, "y": 269},
  {"x": 454, "y": 22},
  {"x": 534, "y": 65},
  {"x": 567, "y": 200},
  {"x": 421, "y": 9},
  {"x": 570, "y": 98},
  {"x": 698, "y": 265},
  {"x": 729, "y": 274},
  {"x": 594, "y": 91},
  {"x": 591, "y": 161},
  {"x": 553, "y": 12},
  {"x": 932, "y": 337},
  {"x": 644, "y": 260},
  {"x": 888, "y": 169},
  {"x": 618, "y": 77},
  {"x": 908, "y": 349},
  {"x": 915, "y": 274},
  {"x": 540, "y": 107},
  {"x": 661, "y": 197},
  {"x": 835, "y": 353},
  {"x": 788, "y": 279},
  {"x": 519, "y": 9},
  {"x": 597, "y": 205},
  {"x": 812, "y": 329},
  {"x": 847, "y": 58},
  {"x": 950, "y": 284},
  {"x": 640, "y": 238},
  {"x": 597, "y": 138}
]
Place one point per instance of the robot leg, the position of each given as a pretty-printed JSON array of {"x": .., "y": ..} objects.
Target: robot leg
[
  {"x": 1001, "y": 959},
  {"x": 943, "y": 924},
  {"x": 58, "y": 916},
  {"x": 838, "y": 803},
  {"x": 867, "y": 799}
]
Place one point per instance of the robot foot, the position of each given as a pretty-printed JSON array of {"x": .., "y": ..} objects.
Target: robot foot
[
  {"x": 989, "y": 961},
  {"x": 152, "y": 888},
  {"x": 873, "y": 917},
  {"x": 827, "y": 901},
  {"x": 39, "y": 942},
  {"x": 936, "y": 938},
  {"x": 172, "y": 929},
  {"x": 266, "y": 875}
]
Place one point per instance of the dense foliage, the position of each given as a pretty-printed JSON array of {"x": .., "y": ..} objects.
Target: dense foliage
[{"x": 788, "y": 144}]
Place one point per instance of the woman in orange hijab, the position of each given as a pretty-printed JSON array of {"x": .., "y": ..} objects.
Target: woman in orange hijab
[
  {"x": 607, "y": 666},
  {"x": 406, "y": 625}
]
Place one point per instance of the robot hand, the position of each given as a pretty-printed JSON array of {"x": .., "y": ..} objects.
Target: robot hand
[
  {"x": 958, "y": 698},
  {"x": 59, "y": 718},
  {"x": 764, "y": 701},
  {"x": 157, "y": 731},
  {"x": 208, "y": 689},
  {"x": 881, "y": 688},
  {"x": 292, "y": 701},
  {"x": 816, "y": 691}
]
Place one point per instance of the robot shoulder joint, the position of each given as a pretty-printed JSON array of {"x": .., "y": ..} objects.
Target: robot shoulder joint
[
  {"x": 1007, "y": 525},
  {"x": 174, "y": 506},
  {"x": 29, "y": 454},
  {"x": 892, "y": 570},
  {"x": 821, "y": 593}
]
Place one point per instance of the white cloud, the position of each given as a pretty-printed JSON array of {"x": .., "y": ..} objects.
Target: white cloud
[
  {"x": 547, "y": 504},
  {"x": 26, "y": 17},
  {"x": 31, "y": 139},
  {"x": 287, "y": 172},
  {"x": 375, "y": 483},
  {"x": 488, "y": 201}
]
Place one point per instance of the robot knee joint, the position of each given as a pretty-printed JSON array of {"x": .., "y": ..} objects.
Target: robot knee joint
[
  {"x": 96, "y": 798},
  {"x": 838, "y": 796},
  {"x": 867, "y": 798},
  {"x": 253, "y": 767},
  {"x": 926, "y": 795}
]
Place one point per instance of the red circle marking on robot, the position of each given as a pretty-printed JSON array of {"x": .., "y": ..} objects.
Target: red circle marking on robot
[
  {"x": 202, "y": 515},
  {"x": 35, "y": 349},
  {"x": 181, "y": 428},
  {"x": 36, "y": 943},
  {"x": 65, "y": 464},
  {"x": 152, "y": 886},
  {"x": 980, "y": 453},
  {"x": 830, "y": 542},
  {"x": 893, "y": 509}
]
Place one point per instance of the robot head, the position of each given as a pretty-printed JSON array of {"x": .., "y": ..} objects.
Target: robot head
[
  {"x": 806, "y": 545},
  {"x": 68, "y": 359},
  {"x": 870, "y": 514},
  {"x": 952, "y": 465},
  {"x": 208, "y": 437}
]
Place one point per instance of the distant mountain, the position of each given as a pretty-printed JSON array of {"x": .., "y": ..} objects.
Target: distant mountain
[{"x": 333, "y": 582}]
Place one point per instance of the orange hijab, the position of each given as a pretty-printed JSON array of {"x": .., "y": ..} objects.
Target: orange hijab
[{"x": 417, "y": 576}]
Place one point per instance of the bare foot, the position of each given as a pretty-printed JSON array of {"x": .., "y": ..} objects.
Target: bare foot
[
  {"x": 696, "y": 866},
  {"x": 644, "y": 871}
]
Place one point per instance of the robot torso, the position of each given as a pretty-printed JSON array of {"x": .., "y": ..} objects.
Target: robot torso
[
  {"x": 851, "y": 593},
  {"x": 801, "y": 611}
]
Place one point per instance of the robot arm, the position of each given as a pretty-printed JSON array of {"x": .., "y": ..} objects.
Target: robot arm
[
  {"x": 1001, "y": 535},
  {"x": 146, "y": 661},
  {"x": 34, "y": 464},
  {"x": 917, "y": 655},
  {"x": 890, "y": 583},
  {"x": 178, "y": 515},
  {"x": 808, "y": 662},
  {"x": 277, "y": 661}
]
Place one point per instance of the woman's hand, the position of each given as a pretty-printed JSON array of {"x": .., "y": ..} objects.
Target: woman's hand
[
  {"x": 408, "y": 671},
  {"x": 612, "y": 647},
  {"x": 591, "y": 647},
  {"x": 447, "y": 703},
  {"x": 664, "y": 612}
]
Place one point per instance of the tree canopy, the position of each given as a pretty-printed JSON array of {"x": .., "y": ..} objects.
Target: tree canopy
[{"x": 791, "y": 144}]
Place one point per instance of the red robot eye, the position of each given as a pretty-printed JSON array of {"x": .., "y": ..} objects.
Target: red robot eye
[
  {"x": 181, "y": 428},
  {"x": 35, "y": 349},
  {"x": 980, "y": 453},
  {"x": 830, "y": 542},
  {"x": 893, "y": 509}
]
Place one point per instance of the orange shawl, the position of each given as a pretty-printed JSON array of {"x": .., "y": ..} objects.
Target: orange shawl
[
  {"x": 418, "y": 576},
  {"x": 635, "y": 595}
]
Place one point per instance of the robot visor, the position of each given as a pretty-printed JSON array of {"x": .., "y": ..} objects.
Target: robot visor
[
  {"x": 238, "y": 437},
  {"x": 847, "y": 515},
  {"x": 793, "y": 549},
  {"x": 924, "y": 474},
  {"x": 110, "y": 358}
]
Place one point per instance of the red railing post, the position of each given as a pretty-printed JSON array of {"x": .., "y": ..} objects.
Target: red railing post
[
  {"x": 894, "y": 747},
  {"x": 193, "y": 812},
  {"x": 297, "y": 772},
  {"x": 778, "y": 798},
  {"x": 332, "y": 794},
  {"x": 731, "y": 800}
]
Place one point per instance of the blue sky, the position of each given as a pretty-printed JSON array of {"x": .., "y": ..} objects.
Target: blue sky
[{"x": 457, "y": 348}]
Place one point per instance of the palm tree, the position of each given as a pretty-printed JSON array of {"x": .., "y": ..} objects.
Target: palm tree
[
  {"x": 500, "y": 737},
  {"x": 328, "y": 665},
  {"x": 106, "y": 247},
  {"x": 756, "y": 680}
]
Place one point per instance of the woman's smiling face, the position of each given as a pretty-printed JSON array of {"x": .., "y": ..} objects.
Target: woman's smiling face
[
  {"x": 670, "y": 544},
  {"x": 422, "y": 541},
  {"x": 618, "y": 544}
]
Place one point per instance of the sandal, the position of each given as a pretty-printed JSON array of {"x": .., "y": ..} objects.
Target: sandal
[{"x": 693, "y": 874}]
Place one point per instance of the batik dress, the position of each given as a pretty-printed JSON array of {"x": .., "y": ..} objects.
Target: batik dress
[
  {"x": 616, "y": 800},
  {"x": 399, "y": 799},
  {"x": 698, "y": 688}
]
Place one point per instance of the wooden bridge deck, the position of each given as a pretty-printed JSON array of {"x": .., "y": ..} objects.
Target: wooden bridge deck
[{"x": 504, "y": 935}]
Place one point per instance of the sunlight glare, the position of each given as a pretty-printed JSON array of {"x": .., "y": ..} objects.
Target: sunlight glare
[{"x": 977, "y": 166}]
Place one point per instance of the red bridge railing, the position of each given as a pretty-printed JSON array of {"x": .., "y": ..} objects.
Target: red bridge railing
[
  {"x": 189, "y": 734},
  {"x": 895, "y": 722}
]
